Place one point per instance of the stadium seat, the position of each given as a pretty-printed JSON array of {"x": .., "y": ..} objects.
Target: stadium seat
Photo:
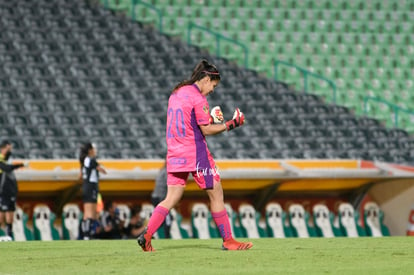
[
  {"x": 249, "y": 222},
  {"x": 43, "y": 224},
  {"x": 298, "y": 219},
  {"x": 276, "y": 221},
  {"x": 201, "y": 222},
  {"x": 124, "y": 213},
  {"x": 71, "y": 219},
  {"x": 20, "y": 230},
  {"x": 176, "y": 229},
  {"x": 323, "y": 221},
  {"x": 373, "y": 220},
  {"x": 146, "y": 211},
  {"x": 348, "y": 221},
  {"x": 111, "y": 70}
]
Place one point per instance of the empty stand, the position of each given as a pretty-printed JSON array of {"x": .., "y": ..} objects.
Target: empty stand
[{"x": 73, "y": 71}]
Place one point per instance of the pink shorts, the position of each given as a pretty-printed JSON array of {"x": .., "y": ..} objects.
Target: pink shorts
[{"x": 205, "y": 179}]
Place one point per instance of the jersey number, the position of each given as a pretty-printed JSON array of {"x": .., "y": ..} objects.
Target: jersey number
[{"x": 179, "y": 123}]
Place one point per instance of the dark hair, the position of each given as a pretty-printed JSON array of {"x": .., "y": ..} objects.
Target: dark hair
[
  {"x": 202, "y": 69},
  {"x": 107, "y": 205},
  {"x": 84, "y": 151},
  {"x": 135, "y": 209},
  {"x": 4, "y": 144}
]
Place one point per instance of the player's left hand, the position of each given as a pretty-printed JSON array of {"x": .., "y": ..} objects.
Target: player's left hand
[
  {"x": 216, "y": 115},
  {"x": 238, "y": 120}
]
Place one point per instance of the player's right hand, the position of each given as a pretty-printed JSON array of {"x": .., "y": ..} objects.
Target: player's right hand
[
  {"x": 216, "y": 115},
  {"x": 238, "y": 120}
]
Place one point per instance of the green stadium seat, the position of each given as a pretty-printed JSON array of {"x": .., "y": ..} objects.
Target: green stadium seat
[
  {"x": 202, "y": 222},
  {"x": 373, "y": 220},
  {"x": 269, "y": 4},
  {"x": 21, "y": 231},
  {"x": 161, "y": 2},
  {"x": 231, "y": 52},
  {"x": 259, "y": 13},
  {"x": 348, "y": 221},
  {"x": 275, "y": 222},
  {"x": 175, "y": 27},
  {"x": 145, "y": 15},
  {"x": 323, "y": 221},
  {"x": 249, "y": 222},
  {"x": 251, "y": 4},
  {"x": 71, "y": 218},
  {"x": 43, "y": 224},
  {"x": 119, "y": 5},
  {"x": 406, "y": 121},
  {"x": 179, "y": 2},
  {"x": 318, "y": 5},
  {"x": 234, "y": 3},
  {"x": 176, "y": 230},
  {"x": 234, "y": 24},
  {"x": 171, "y": 11},
  {"x": 298, "y": 219}
]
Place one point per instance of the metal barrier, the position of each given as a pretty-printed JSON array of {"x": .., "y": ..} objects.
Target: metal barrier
[
  {"x": 306, "y": 74},
  {"x": 218, "y": 37},
  {"x": 396, "y": 109}
]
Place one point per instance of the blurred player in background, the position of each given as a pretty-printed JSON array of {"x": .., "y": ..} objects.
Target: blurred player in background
[
  {"x": 8, "y": 186},
  {"x": 136, "y": 224},
  {"x": 158, "y": 195},
  {"x": 90, "y": 170},
  {"x": 188, "y": 122},
  {"x": 111, "y": 225}
]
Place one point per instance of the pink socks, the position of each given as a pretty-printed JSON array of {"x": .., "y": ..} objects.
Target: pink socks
[
  {"x": 222, "y": 221},
  {"x": 157, "y": 218}
]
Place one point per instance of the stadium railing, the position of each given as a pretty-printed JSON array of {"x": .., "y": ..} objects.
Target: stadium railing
[
  {"x": 395, "y": 108},
  {"x": 218, "y": 37},
  {"x": 306, "y": 75}
]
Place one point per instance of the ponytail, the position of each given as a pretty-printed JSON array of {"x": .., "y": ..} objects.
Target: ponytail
[
  {"x": 84, "y": 151},
  {"x": 202, "y": 69}
]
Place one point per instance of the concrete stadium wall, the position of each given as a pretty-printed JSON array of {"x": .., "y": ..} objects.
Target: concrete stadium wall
[{"x": 396, "y": 199}]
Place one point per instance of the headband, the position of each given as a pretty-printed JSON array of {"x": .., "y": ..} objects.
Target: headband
[{"x": 207, "y": 72}]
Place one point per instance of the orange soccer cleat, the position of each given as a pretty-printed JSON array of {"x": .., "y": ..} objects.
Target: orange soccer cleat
[
  {"x": 232, "y": 244},
  {"x": 144, "y": 240}
]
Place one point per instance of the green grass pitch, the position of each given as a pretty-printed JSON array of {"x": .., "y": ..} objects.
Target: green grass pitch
[{"x": 388, "y": 255}]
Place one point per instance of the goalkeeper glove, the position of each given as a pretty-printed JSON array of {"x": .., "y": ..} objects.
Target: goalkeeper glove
[
  {"x": 216, "y": 115},
  {"x": 238, "y": 120}
]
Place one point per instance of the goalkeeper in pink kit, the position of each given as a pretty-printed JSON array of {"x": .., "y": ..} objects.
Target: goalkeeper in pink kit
[{"x": 188, "y": 122}]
